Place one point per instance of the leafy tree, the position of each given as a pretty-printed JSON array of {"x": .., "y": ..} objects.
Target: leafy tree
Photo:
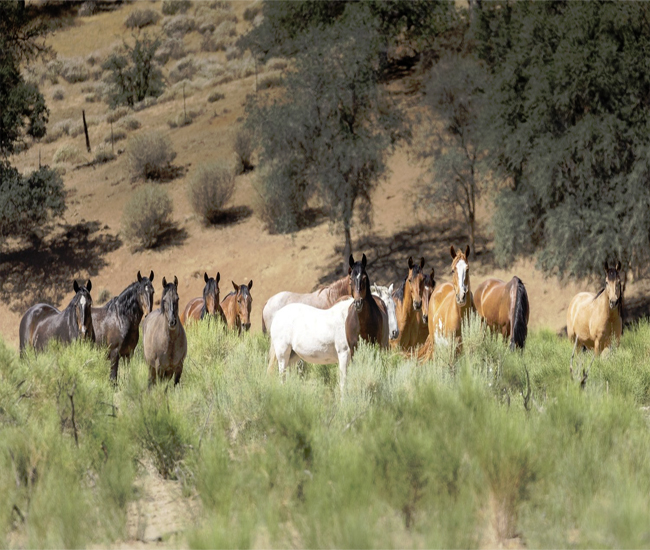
[
  {"x": 570, "y": 110},
  {"x": 136, "y": 74}
]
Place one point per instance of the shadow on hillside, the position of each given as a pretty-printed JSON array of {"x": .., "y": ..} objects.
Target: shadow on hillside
[
  {"x": 45, "y": 273},
  {"x": 172, "y": 237},
  {"x": 232, "y": 216},
  {"x": 635, "y": 309}
]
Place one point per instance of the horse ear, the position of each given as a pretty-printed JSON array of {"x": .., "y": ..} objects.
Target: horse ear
[
  {"x": 89, "y": 286},
  {"x": 467, "y": 251},
  {"x": 235, "y": 286},
  {"x": 410, "y": 262},
  {"x": 618, "y": 265},
  {"x": 364, "y": 262},
  {"x": 421, "y": 262},
  {"x": 390, "y": 288},
  {"x": 151, "y": 276},
  {"x": 164, "y": 283},
  {"x": 218, "y": 277},
  {"x": 452, "y": 251},
  {"x": 75, "y": 285},
  {"x": 250, "y": 284},
  {"x": 175, "y": 281},
  {"x": 139, "y": 277},
  {"x": 351, "y": 261},
  {"x": 205, "y": 277}
]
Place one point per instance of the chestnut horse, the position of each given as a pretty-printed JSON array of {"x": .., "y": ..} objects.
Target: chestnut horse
[
  {"x": 117, "y": 324},
  {"x": 237, "y": 307},
  {"x": 163, "y": 337},
  {"x": 449, "y": 304},
  {"x": 367, "y": 316},
  {"x": 323, "y": 298},
  {"x": 44, "y": 322},
  {"x": 408, "y": 304},
  {"x": 429, "y": 286},
  {"x": 593, "y": 319},
  {"x": 197, "y": 308},
  {"x": 504, "y": 306}
]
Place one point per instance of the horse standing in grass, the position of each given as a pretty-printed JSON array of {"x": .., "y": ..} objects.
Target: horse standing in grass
[
  {"x": 367, "y": 318},
  {"x": 386, "y": 295},
  {"x": 237, "y": 306},
  {"x": 117, "y": 324},
  {"x": 43, "y": 322},
  {"x": 408, "y": 304},
  {"x": 163, "y": 337},
  {"x": 592, "y": 320},
  {"x": 449, "y": 304},
  {"x": 208, "y": 305},
  {"x": 505, "y": 308},
  {"x": 429, "y": 286},
  {"x": 322, "y": 298}
]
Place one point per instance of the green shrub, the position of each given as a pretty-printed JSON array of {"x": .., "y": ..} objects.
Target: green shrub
[
  {"x": 210, "y": 188},
  {"x": 150, "y": 156},
  {"x": 138, "y": 19},
  {"x": 147, "y": 215}
]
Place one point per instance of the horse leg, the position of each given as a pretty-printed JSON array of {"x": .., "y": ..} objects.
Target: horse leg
[
  {"x": 574, "y": 352},
  {"x": 114, "y": 357},
  {"x": 344, "y": 359},
  {"x": 283, "y": 360},
  {"x": 177, "y": 374},
  {"x": 272, "y": 359}
]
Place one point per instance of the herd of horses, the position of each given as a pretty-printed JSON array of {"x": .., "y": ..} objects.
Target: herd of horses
[{"x": 324, "y": 326}]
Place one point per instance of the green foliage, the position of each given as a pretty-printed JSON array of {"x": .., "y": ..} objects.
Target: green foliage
[
  {"x": 149, "y": 156},
  {"x": 570, "y": 131},
  {"x": 210, "y": 188},
  {"x": 135, "y": 75},
  {"x": 147, "y": 215}
]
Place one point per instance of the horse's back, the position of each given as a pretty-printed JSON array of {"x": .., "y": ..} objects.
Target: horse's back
[
  {"x": 34, "y": 326},
  {"x": 192, "y": 310},
  {"x": 442, "y": 318},
  {"x": 492, "y": 301},
  {"x": 578, "y": 315}
]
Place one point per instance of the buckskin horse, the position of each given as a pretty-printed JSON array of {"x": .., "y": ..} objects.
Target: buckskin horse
[
  {"x": 449, "y": 304},
  {"x": 163, "y": 337},
  {"x": 43, "y": 322},
  {"x": 505, "y": 309},
  {"x": 408, "y": 304},
  {"x": 237, "y": 306},
  {"x": 592, "y": 320},
  {"x": 207, "y": 305},
  {"x": 117, "y": 324}
]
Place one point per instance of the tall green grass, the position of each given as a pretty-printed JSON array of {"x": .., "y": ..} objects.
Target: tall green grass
[{"x": 471, "y": 449}]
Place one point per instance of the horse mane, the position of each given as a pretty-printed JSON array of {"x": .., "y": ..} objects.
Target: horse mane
[
  {"x": 520, "y": 316},
  {"x": 340, "y": 287},
  {"x": 126, "y": 303},
  {"x": 398, "y": 293},
  {"x": 227, "y": 296},
  {"x": 598, "y": 294}
]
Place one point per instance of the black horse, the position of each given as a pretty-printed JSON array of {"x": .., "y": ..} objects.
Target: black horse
[
  {"x": 117, "y": 324},
  {"x": 43, "y": 322}
]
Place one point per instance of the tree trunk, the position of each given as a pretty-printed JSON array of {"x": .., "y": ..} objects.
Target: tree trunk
[
  {"x": 347, "y": 250},
  {"x": 472, "y": 239}
]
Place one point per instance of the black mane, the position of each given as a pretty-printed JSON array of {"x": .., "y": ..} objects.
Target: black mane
[{"x": 126, "y": 303}]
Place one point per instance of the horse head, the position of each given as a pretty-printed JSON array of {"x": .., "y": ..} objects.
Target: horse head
[
  {"x": 145, "y": 293},
  {"x": 169, "y": 302},
  {"x": 386, "y": 294},
  {"x": 429, "y": 286},
  {"x": 460, "y": 272},
  {"x": 359, "y": 281},
  {"x": 613, "y": 284},
  {"x": 82, "y": 304},
  {"x": 211, "y": 293},
  {"x": 416, "y": 282},
  {"x": 244, "y": 302}
]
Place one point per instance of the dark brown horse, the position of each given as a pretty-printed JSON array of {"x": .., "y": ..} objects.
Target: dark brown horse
[
  {"x": 408, "y": 304},
  {"x": 429, "y": 287},
  {"x": 163, "y": 337},
  {"x": 367, "y": 317},
  {"x": 237, "y": 307},
  {"x": 117, "y": 324},
  {"x": 197, "y": 308},
  {"x": 43, "y": 322}
]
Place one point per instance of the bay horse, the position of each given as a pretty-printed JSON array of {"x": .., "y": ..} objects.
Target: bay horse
[
  {"x": 408, "y": 303},
  {"x": 322, "y": 298},
  {"x": 237, "y": 306},
  {"x": 429, "y": 286},
  {"x": 317, "y": 336},
  {"x": 505, "y": 309},
  {"x": 367, "y": 318},
  {"x": 449, "y": 305},
  {"x": 197, "y": 308},
  {"x": 163, "y": 337},
  {"x": 386, "y": 294},
  {"x": 43, "y": 322},
  {"x": 117, "y": 324},
  {"x": 592, "y": 320}
]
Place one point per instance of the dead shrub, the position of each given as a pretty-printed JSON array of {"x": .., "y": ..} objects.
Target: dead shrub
[
  {"x": 150, "y": 156},
  {"x": 211, "y": 187},
  {"x": 147, "y": 216}
]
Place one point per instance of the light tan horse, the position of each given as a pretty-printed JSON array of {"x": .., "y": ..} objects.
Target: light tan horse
[
  {"x": 408, "y": 306},
  {"x": 593, "y": 319},
  {"x": 505, "y": 309},
  {"x": 450, "y": 303}
]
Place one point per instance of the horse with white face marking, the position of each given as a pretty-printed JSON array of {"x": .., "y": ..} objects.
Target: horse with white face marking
[
  {"x": 450, "y": 303},
  {"x": 386, "y": 294},
  {"x": 314, "y": 335}
]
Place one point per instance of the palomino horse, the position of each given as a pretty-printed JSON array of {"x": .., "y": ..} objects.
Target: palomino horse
[
  {"x": 44, "y": 322},
  {"x": 198, "y": 308},
  {"x": 367, "y": 317},
  {"x": 314, "y": 335},
  {"x": 386, "y": 294},
  {"x": 593, "y": 319},
  {"x": 163, "y": 337},
  {"x": 117, "y": 324},
  {"x": 429, "y": 286},
  {"x": 408, "y": 302},
  {"x": 504, "y": 306},
  {"x": 322, "y": 298},
  {"x": 237, "y": 307},
  {"x": 449, "y": 304}
]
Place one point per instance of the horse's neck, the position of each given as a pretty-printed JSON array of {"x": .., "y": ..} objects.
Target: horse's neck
[
  {"x": 338, "y": 289},
  {"x": 230, "y": 311}
]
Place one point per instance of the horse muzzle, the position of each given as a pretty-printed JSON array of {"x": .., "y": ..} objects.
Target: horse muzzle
[
  {"x": 613, "y": 304},
  {"x": 417, "y": 306},
  {"x": 358, "y": 304},
  {"x": 425, "y": 319},
  {"x": 172, "y": 323},
  {"x": 461, "y": 300},
  {"x": 246, "y": 326},
  {"x": 394, "y": 334}
]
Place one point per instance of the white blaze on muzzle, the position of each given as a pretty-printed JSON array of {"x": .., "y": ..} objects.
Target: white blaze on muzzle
[{"x": 461, "y": 269}]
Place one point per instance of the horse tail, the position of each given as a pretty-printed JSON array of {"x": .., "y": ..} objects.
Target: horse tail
[
  {"x": 519, "y": 311},
  {"x": 426, "y": 350}
]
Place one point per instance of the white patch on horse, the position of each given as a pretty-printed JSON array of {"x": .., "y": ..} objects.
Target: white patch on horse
[
  {"x": 82, "y": 301},
  {"x": 461, "y": 269}
]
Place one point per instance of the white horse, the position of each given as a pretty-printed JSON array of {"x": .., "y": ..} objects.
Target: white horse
[
  {"x": 386, "y": 294},
  {"x": 312, "y": 334}
]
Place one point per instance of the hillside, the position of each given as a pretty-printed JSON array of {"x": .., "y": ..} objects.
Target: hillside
[{"x": 89, "y": 244}]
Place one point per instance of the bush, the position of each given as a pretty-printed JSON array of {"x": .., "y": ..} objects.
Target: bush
[
  {"x": 103, "y": 155},
  {"x": 171, "y": 48},
  {"x": 243, "y": 147},
  {"x": 270, "y": 81},
  {"x": 68, "y": 153},
  {"x": 184, "y": 70},
  {"x": 58, "y": 94},
  {"x": 116, "y": 114},
  {"x": 138, "y": 19},
  {"x": 251, "y": 12},
  {"x": 172, "y": 7},
  {"x": 215, "y": 96},
  {"x": 116, "y": 135},
  {"x": 179, "y": 25},
  {"x": 150, "y": 155},
  {"x": 183, "y": 119},
  {"x": 129, "y": 123},
  {"x": 210, "y": 188},
  {"x": 74, "y": 70},
  {"x": 147, "y": 215}
]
